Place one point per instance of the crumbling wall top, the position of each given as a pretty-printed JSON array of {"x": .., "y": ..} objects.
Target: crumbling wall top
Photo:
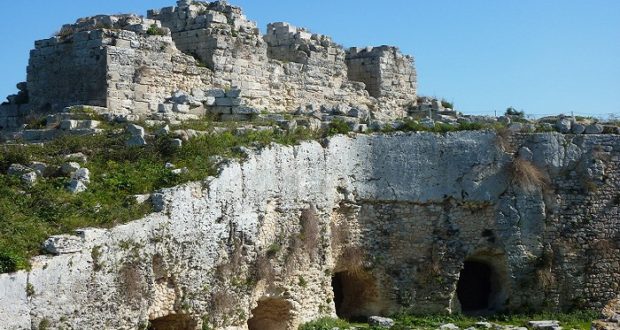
[
  {"x": 128, "y": 22},
  {"x": 373, "y": 52},
  {"x": 292, "y": 44},
  {"x": 194, "y": 15}
]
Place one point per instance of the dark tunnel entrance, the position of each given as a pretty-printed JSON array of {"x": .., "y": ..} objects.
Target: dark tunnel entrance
[
  {"x": 481, "y": 289},
  {"x": 474, "y": 286},
  {"x": 338, "y": 294},
  {"x": 355, "y": 296}
]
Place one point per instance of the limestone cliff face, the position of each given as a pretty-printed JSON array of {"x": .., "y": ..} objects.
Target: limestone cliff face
[{"x": 361, "y": 226}]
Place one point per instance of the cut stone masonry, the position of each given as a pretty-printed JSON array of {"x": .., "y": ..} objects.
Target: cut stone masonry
[{"x": 131, "y": 65}]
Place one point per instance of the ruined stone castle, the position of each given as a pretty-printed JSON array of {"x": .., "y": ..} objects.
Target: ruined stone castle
[
  {"x": 133, "y": 65},
  {"x": 354, "y": 226}
]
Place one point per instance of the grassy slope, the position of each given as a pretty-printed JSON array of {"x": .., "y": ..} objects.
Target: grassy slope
[
  {"x": 29, "y": 215},
  {"x": 576, "y": 320}
]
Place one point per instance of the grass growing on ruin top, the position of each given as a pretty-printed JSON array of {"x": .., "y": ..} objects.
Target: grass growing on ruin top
[
  {"x": 28, "y": 215},
  {"x": 581, "y": 320}
]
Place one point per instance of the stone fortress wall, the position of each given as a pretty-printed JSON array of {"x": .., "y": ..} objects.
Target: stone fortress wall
[
  {"x": 133, "y": 65},
  {"x": 108, "y": 61},
  {"x": 366, "y": 225}
]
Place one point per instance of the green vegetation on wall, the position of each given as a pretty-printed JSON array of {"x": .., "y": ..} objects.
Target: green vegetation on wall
[{"x": 28, "y": 215}]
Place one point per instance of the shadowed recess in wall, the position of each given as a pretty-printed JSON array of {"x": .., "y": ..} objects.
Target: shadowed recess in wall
[
  {"x": 173, "y": 322},
  {"x": 272, "y": 314},
  {"x": 479, "y": 289},
  {"x": 355, "y": 296}
]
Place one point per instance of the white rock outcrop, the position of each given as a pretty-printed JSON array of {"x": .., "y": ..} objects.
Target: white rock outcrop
[{"x": 230, "y": 248}]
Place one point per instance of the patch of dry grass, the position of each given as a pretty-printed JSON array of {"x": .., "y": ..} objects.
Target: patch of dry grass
[
  {"x": 527, "y": 176},
  {"x": 352, "y": 259}
]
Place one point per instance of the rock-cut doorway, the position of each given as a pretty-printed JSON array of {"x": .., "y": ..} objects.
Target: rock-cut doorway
[{"x": 481, "y": 288}]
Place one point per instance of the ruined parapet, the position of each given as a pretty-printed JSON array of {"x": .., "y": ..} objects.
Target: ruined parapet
[
  {"x": 125, "y": 63},
  {"x": 385, "y": 71},
  {"x": 288, "y": 43},
  {"x": 13, "y": 111},
  {"x": 212, "y": 32},
  {"x": 223, "y": 40},
  {"x": 307, "y": 67},
  {"x": 129, "y": 22},
  {"x": 68, "y": 69}
]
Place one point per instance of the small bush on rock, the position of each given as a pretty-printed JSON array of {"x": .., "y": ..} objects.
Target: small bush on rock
[
  {"x": 338, "y": 126},
  {"x": 446, "y": 104},
  {"x": 527, "y": 176},
  {"x": 514, "y": 112},
  {"x": 154, "y": 30}
]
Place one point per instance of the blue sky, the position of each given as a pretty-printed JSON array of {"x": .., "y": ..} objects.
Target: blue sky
[{"x": 541, "y": 56}]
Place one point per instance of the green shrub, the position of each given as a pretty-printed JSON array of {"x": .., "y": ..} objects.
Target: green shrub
[
  {"x": 410, "y": 125},
  {"x": 514, "y": 112},
  {"x": 35, "y": 122},
  {"x": 338, "y": 126},
  {"x": 11, "y": 261},
  {"x": 446, "y": 104},
  {"x": 273, "y": 249},
  {"x": 571, "y": 320},
  {"x": 45, "y": 324},
  {"x": 470, "y": 126},
  {"x": 12, "y": 155},
  {"x": 154, "y": 30},
  {"x": 325, "y": 323},
  {"x": 30, "y": 290}
]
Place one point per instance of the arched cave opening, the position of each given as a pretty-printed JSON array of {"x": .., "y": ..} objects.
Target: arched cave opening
[
  {"x": 338, "y": 294},
  {"x": 480, "y": 288},
  {"x": 355, "y": 296},
  {"x": 272, "y": 314},
  {"x": 173, "y": 322}
]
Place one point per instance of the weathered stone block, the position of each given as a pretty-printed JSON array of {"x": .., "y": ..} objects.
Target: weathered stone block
[
  {"x": 69, "y": 168},
  {"x": 181, "y": 108},
  {"x": 563, "y": 125},
  {"x": 217, "y": 93},
  {"x": 165, "y": 108},
  {"x": 242, "y": 110},
  {"x": 216, "y": 17},
  {"x": 29, "y": 179},
  {"x": 227, "y": 102},
  {"x": 379, "y": 321},
  {"x": 577, "y": 128},
  {"x": 231, "y": 117},
  {"x": 594, "y": 129},
  {"x": 63, "y": 244},
  {"x": 122, "y": 43},
  {"x": 544, "y": 325},
  {"x": 76, "y": 186},
  {"x": 136, "y": 141},
  {"x": 233, "y": 93},
  {"x": 219, "y": 110},
  {"x": 209, "y": 101}
]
